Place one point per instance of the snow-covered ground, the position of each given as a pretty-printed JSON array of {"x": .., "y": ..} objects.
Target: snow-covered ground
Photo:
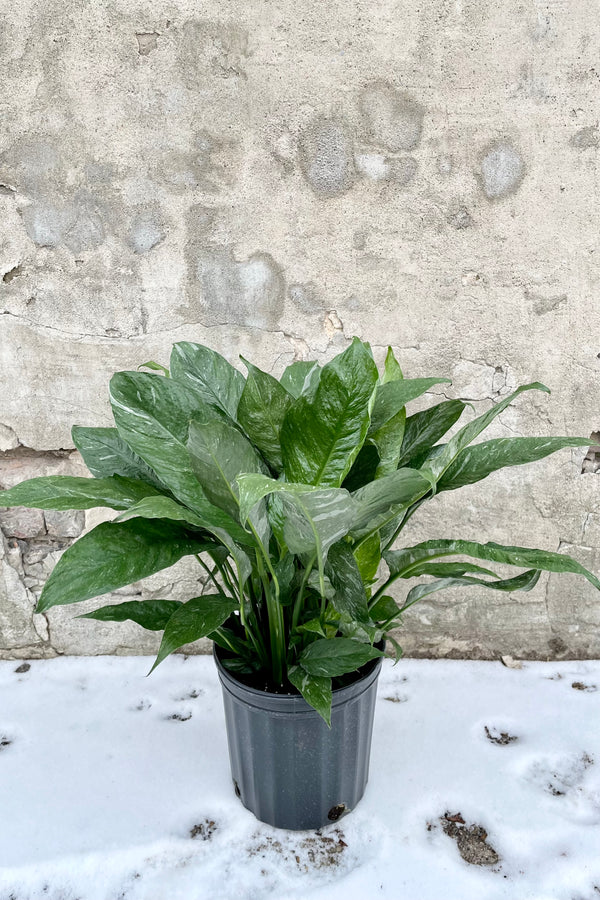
[{"x": 114, "y": 786}]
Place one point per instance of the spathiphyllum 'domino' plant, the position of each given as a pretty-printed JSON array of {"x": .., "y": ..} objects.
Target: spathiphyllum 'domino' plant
[{"x": 289, "y": 493}]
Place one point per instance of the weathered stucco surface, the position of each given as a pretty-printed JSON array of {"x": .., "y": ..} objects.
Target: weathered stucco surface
[{"x": 270, "y": 179}]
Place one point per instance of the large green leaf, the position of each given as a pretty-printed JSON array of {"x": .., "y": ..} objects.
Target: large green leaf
[
  {"x": 314, "y": 518},
  {"x": 401, "y": 563},
  {"x": 479, "y": 460},
  {"x": 388, "y": 437},
  {"x": 105, "y": 453},
  {"x": 307, "y": 520},
  {"x": 316, "y": 690},
  {"x": 363, "y": 468},
  {"x": 342, "y": 570},
  {"x": 368, "y": 557},
  {"x": 70, "y": 492},
  {"x": 523, "y": 582},
  {"x": 336, "y": 656},
  {"x": 375, "y": 502},
  {"x": 160, "y": 508},
  {"x": 448, "y": 570},
  {"x": 391, "y": 368},
  {"x": 263, "y": 405},
  {"x": 194, "y": 620},
  {"x": 219, "y": 453},
  {"x": 298, "y": 377},
  {"x": 208, "y": 373},
  {"x": 150, "y": 614},
  {"x": 385, "y": 609},
  {"x": 113, "y": 556},
  {"x": 165, "y": 508},
  {"x": 153, "y": 415},
  {"x": 438, "y": 465},
  {"x": 392, "y": 396},
  {"x": 423, "y": 429},
  {"x": 321, "y": 436}
]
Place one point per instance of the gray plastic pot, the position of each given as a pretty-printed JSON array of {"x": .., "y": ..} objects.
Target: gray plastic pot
[{"x": 288, "y": 767}]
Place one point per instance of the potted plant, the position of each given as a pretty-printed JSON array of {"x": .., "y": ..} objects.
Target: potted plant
[{"x": 289, "y": 493}]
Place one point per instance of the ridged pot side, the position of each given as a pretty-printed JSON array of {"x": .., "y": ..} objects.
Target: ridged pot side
[{"x": 288, "y": 767}]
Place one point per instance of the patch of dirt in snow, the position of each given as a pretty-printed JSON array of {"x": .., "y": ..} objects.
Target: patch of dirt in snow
[
  {"x": 318, "y": 851},
  {"x": 203, "y": 830},
  {"x": 181, "y": 717},
  {"x": 499, "y": 737},
  {"x": 471, "y": 840},
  {"x": 580, "y": 686},
  {"x": 193, "y": 694}
]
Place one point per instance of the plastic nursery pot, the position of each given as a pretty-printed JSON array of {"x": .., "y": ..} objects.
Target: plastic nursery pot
[{"x": 288, "y": 767}]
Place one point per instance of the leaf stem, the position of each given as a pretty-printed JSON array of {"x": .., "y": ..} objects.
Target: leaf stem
[{"x": 210, "y": 573}]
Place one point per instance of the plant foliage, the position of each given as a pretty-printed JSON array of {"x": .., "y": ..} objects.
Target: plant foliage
[{"x": 290, "y": 493}]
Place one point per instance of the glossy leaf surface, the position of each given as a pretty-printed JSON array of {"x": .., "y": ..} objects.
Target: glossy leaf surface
[
  {"x": 336, "y": 656},
  {"x": 105, "y": 453},
  {"x": 209, "y": 374},
  {"x": 321, "y": 437},
  {"x": 342, "y": 570},
  {"x": 111, "y": 556},
  {"x": 153, "y": 415},
  {"x": 299, "y": 375},
  {"x": 194, "y": 620},
  {"x": 150, "y": 614},
  {"x": 392, "y": 396},
  {"x": 219, "y": 453},
  {"x": 316, "y": 690},
  {"x": 479, "y": 460},
  {"x": 403, "y": 561},
  {"x": 523, "y": 582},
  {"x": 263, "y": 405},
  {"x": 423, "y": 429},
  {"x": 469, "y": 432},
  {"x": 160, "y": 508},
  {"x": 68, "y": 492},
  {"x": 392, "y": 492}
]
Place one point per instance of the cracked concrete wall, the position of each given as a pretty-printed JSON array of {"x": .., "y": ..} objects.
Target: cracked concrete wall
[{"x": 270, "y": 179}]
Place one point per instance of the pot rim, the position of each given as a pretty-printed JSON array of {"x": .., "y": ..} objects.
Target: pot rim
[{"x": 291, "y": 703}]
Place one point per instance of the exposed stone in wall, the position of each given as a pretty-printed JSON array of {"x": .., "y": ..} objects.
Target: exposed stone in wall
[
  {"x": 31, "y": 543},
  {"x": 271, "y": 179}
]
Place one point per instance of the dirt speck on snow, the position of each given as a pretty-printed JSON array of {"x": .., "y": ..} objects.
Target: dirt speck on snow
[
  {"x": 499, "y": 737},
  {"x": 580, "y": 686},
  {"x": 319, "y": 851},
  {"x": 203, "y": 830}
]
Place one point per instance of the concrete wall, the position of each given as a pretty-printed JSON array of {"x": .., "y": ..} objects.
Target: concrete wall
[{"x": 272, "y": 178}]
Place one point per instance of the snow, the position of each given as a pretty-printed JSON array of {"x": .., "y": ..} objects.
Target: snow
[{"x": 105, "y": 775}]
